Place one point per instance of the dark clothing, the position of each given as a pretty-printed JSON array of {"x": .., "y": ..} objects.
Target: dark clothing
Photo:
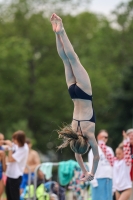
[
  {"x": 90, "y": 120},
  {"x": 114, "y": 197},
  {"x": 13, "y": 188},
  {"x": 60, "y": 192},
  {"x": 120, "y": 192},
  {"x": 1, "y": 148},
  {"x": 76, "y": 93}
]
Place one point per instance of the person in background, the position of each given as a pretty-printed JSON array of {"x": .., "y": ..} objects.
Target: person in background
[
  {"x": 129, "y": 132},
  {"x": 53, "y": 197},
  {"x": 121, "y": 170},
  {"x": 17, "y": 159},
  {"x": 77, "y": 186},
  {"x": 2, "y": 164},
  {"x": 102, "y": 183},
  {"x": 32, "y": 162},
  {"x": 58, "y": 190},
  {"x": 40, "y": 190}
]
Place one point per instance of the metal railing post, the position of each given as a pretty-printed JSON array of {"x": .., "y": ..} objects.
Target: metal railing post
[
  {"x": 35, "y": 175},
  {"x": 29, "y": 179},
  {"x": 35, "y": 180}
]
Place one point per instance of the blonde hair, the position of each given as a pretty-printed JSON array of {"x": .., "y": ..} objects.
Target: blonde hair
[
  {"x": 129, "y": 131},
  {"x": 78, "y": 143},
  {"x": 120, "y": 146}
]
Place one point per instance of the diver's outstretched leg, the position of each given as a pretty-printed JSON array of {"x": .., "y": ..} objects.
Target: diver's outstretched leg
[
  {"x": 70, "y": 79},
  {"x": 81, "y": 76}
]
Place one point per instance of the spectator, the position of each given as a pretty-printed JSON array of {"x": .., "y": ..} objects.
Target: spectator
[
  {"x": 121, "y": 170},
  {"x": 129, "y": 132},
  {"x": 2, "y": 163},
  {"x": 102, "y": 183},
  {"x": 40, "y": 191},
  {"x": 58, "y": 190},
  {"x": 77, "y": 186},
  {"x": 16, "y": 164},
  {"x": 48, "y": 184},
  {"x": 32, "y": 162},
  {"x": 53, "y": 197}
]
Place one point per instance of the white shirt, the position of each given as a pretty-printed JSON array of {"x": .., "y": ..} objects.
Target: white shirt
[
  {"x": 16, "y": 168},
  {"x": 104, "y": 169},
  {"x": 121, "y": 176}
]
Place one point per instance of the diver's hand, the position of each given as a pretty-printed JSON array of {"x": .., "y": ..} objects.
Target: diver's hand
[{"x": 88, "y": 176}]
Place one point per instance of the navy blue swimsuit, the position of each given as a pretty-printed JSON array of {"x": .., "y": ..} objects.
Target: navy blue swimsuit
[{"x": 76, "y": 93}]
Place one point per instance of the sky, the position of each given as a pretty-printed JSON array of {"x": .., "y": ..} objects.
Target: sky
[
  {"x": 98, "y": 6},
  {"x": 104, "y": 6}
]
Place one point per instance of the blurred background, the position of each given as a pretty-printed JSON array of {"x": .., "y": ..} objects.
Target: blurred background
[{"x": 33, "y": 91}]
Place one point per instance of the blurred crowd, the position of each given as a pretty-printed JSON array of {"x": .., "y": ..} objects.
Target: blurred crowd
[
  {"x": 18, "y": 162},
  {"x": 114, "y": 175},
  {"x": 23, "y": 176}
]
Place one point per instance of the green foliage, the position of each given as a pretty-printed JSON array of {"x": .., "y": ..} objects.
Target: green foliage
[
  {"x": 15, "y": 53},
  {"x": 123, "y": 105},
  {"x": 34, "y": 94},
  {"x": 20, "y": 125}
]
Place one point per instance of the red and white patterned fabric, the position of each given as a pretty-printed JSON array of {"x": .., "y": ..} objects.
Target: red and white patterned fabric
[
  {"x": 111, "y": 158},
  {"x": 107, "y": 153},
  {"x": 127, "y": 151}
]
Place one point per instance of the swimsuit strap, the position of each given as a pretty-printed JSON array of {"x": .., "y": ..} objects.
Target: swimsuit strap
[
  {"x": 90, "y": 120},
  {"x": 79, "y": 125},
  {"x": 81, "y": 120}
]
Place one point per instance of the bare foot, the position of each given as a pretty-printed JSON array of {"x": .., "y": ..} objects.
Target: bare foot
[
  {"x": 59, "y": 27},
  {"x": 57, "y": 23},
  {"x": 53, "y": 22}
]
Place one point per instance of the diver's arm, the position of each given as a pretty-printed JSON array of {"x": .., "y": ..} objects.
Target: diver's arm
[
  {"x": 94, "y": 146},
  {"x": 87, "y": 176},
  {"x": 80, "y": 162}
]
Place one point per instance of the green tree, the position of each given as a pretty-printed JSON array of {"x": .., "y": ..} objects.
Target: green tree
[
  {"x": 123, "y": 105},
  {"x": 121, "y": 95},
  {"x": 34, "y": 94},
  {"x": 15, "y": 53}
]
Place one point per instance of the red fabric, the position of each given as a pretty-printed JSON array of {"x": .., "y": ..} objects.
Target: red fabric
[
  {"x": 107, "y": 153},
  {"x": 127, "y": 152},
  {"x": 111, "y": 158},
  {"x": 131, "y": 173}
]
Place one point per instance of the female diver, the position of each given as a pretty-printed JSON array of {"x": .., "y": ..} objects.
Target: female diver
[{"x": 80, "y": 135}]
